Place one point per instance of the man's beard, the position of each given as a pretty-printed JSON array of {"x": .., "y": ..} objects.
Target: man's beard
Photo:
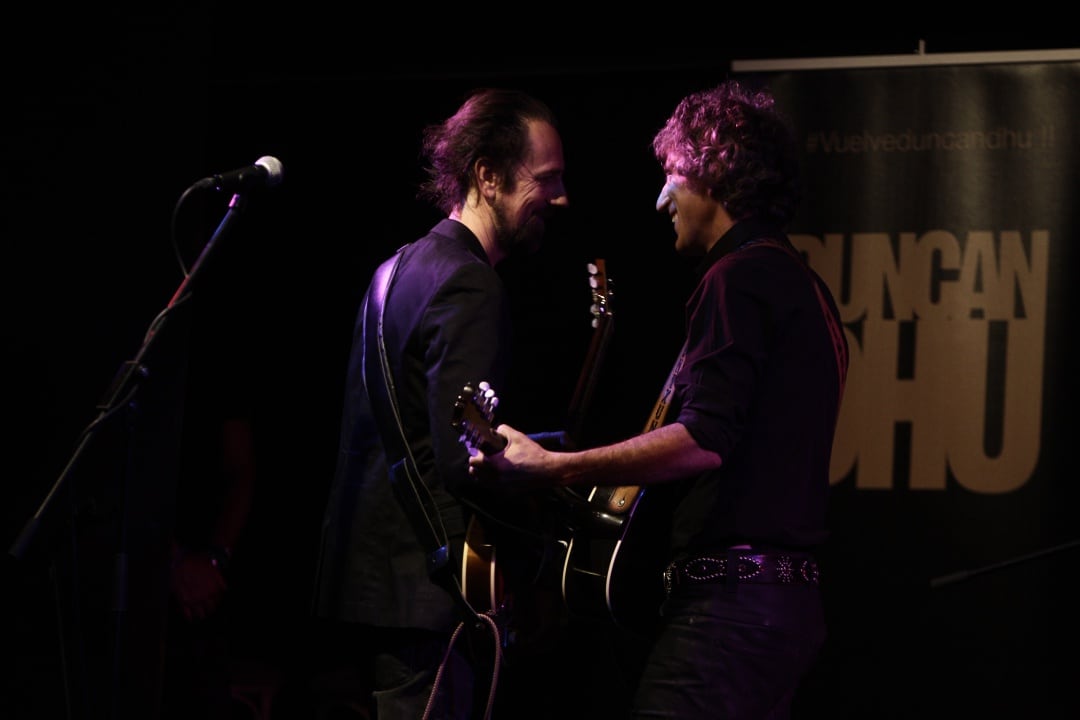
[{"x": 524, "y": 239}]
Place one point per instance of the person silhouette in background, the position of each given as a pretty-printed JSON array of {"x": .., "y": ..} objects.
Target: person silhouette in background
[
  {"x": 199, "y": 654},
  {"x": 214, "y": 494}
]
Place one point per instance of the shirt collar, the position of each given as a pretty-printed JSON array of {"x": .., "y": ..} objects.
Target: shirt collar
[
  {"x": 742, "y": 233},
  {"x": 457, "y": 231}
]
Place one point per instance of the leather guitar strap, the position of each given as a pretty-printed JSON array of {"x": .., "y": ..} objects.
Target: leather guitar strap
[
  {"x": 620, "y": 499},
  {"x": 413, "y": 494},
  {"x": 660, "y": 409}
]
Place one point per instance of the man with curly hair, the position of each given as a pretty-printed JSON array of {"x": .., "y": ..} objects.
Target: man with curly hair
[{"x": 741, "y": 456}]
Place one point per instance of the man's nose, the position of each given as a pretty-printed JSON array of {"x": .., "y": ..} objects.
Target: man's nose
[{"x": 664, "y": 199}]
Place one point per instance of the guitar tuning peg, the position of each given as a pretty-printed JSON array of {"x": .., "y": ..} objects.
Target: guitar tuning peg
[{"x": 592, "y": 268}]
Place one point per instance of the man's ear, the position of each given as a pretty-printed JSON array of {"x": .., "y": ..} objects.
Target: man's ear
[{"x": 487, "y": 180}]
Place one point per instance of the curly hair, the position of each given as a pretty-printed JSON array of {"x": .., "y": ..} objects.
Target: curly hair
[
  {"x": 732, "y": 143},
  {"x": 492, "y": 124}
]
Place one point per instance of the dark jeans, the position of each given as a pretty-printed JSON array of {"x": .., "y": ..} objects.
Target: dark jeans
[{"x": 738, "y": 653}]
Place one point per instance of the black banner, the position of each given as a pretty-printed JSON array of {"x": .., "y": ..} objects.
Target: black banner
[{"x": 940, "y": 208}]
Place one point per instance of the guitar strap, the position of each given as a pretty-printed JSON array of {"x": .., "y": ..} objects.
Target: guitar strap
[
  {"x": 660, "y": 409},
  {"x": 412, "y": 493},
  {"x": 620, "y": 499}
]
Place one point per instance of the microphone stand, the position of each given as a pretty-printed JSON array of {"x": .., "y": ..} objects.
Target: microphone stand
[{"x": 120, "y": 395}]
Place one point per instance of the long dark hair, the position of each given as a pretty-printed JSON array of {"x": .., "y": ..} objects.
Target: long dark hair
[{"x": 492, "y": 123}]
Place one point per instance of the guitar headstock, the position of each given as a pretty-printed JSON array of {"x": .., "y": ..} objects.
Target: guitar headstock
[
  {"x": 474, "y": 411},
  {"x": 603, "y": 325},
  {"x": 601, "y": 288}
]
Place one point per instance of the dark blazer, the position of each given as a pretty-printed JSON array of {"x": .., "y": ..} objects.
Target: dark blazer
[{"x": 445, "y": 324}]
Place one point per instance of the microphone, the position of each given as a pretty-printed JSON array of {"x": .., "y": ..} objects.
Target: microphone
[{"x": 267, "y": 171}]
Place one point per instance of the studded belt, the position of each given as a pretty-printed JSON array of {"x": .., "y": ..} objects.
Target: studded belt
[{"x": 750, "y": 567}]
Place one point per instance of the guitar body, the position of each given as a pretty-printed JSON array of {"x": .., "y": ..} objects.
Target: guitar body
[
  {"x": 482, "y": 571},
  {"x": 487, "y": 584},
  {"x": 614, "y": 564},
  {"x": 504, "y": 577},
  {"x": 482, "y": 581},
  {"x": 615, "y": 560},
  {"x": 497, "y": 562}
]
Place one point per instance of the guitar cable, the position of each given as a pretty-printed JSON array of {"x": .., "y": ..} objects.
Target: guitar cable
[{"x": 497, "y": 636}]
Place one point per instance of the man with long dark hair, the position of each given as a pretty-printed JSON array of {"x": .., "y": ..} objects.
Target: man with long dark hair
[{"x": 435, "y": 317}]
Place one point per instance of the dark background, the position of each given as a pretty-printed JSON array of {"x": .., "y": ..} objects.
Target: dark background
[{"x": 112, "y": 117}]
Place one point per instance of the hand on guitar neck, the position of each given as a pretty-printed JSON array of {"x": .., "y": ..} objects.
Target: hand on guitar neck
[
  {"x": 474, "y": 412},
  {"x": 500, "y": 558}
]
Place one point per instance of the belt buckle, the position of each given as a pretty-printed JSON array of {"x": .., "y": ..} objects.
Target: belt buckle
[{"x": 669, "y": 578}]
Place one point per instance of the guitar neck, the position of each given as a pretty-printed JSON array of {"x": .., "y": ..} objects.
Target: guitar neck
[
  {"x": 586, "y": 384},
  {"x": 590, "y": 370}
]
